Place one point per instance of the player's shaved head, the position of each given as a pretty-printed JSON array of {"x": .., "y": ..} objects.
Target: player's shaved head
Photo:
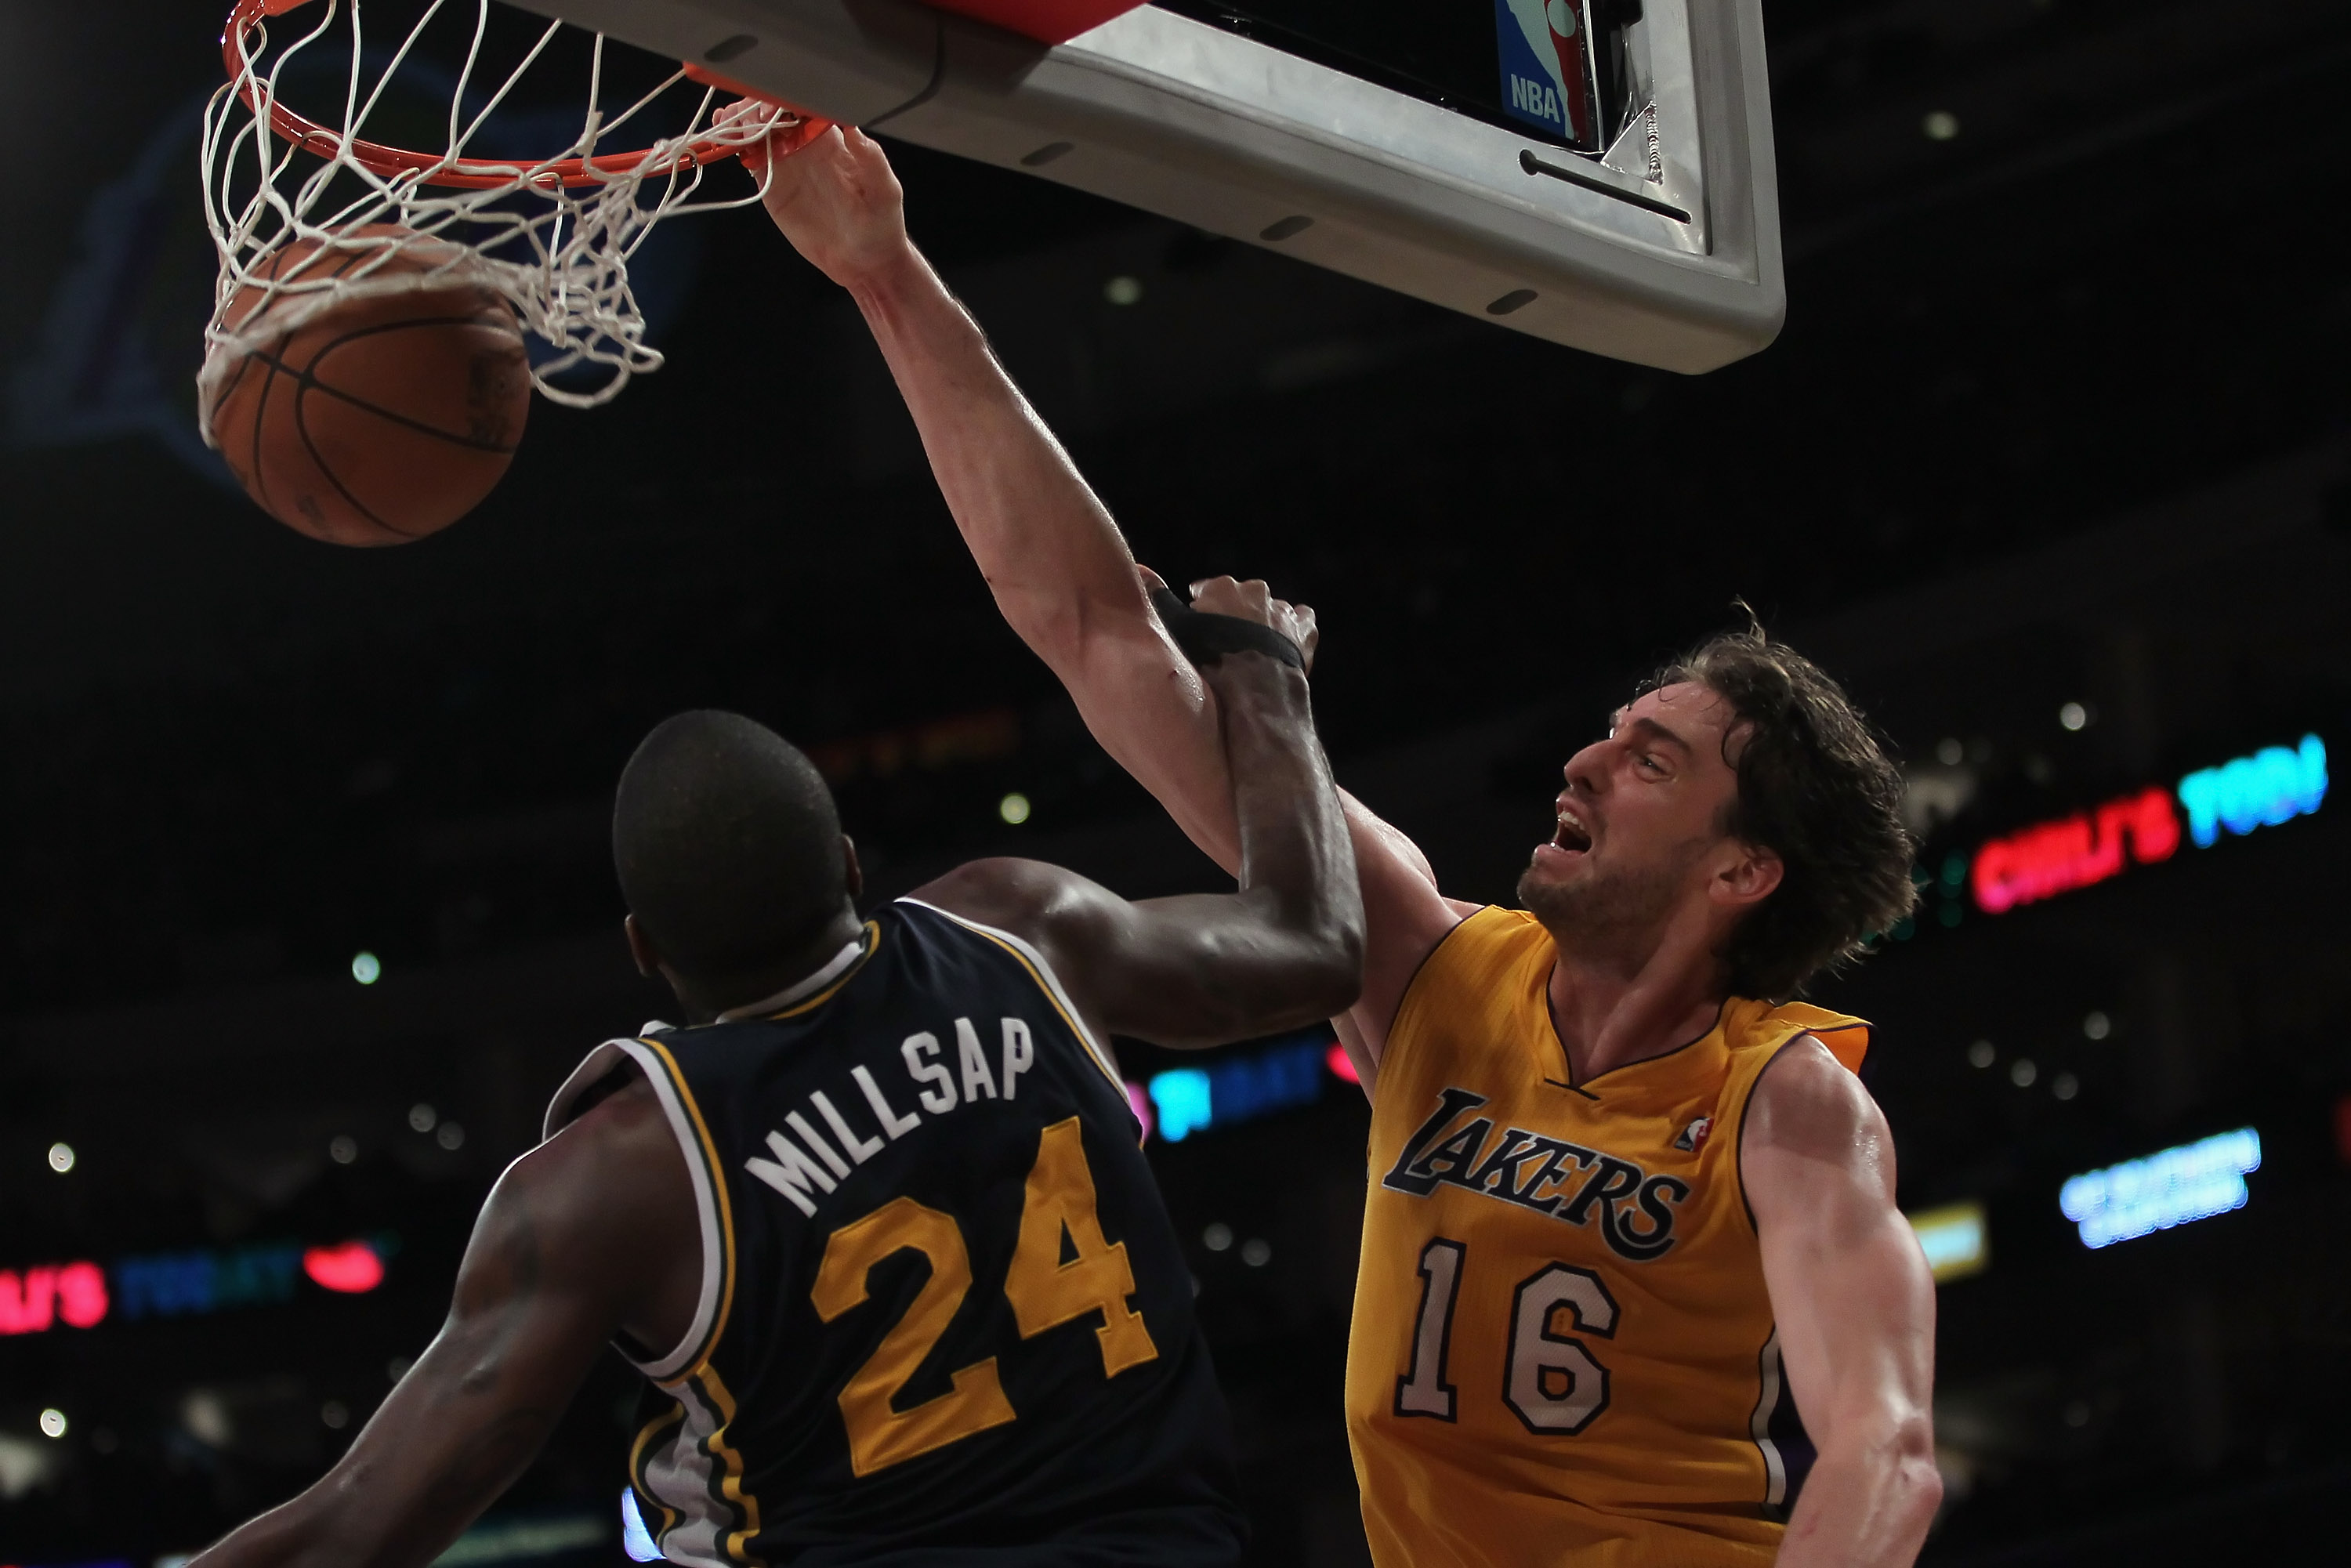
[{"x": 727, "y": 845}]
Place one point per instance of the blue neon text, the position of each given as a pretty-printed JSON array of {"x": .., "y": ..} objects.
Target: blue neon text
[
  {"x": 2139, "y": 1197},
  {"x": 1186, "y": 1099},
  {"x": 2274, "y": 785}
]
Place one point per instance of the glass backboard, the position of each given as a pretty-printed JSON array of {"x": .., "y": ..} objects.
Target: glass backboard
[{"x": 1595, "y": 172}]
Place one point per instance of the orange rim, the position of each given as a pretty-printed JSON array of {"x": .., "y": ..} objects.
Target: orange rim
[{"x": 478, "y": 174}]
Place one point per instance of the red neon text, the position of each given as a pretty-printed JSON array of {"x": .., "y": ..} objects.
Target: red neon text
[
  {"x": 35, "y": 1300},
  {"x": 2085, "y": 848}
]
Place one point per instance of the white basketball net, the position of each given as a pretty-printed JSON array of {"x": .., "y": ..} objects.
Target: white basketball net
[{"x": 558, "y": 255}]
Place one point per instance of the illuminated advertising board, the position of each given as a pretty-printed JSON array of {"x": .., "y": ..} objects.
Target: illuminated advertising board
[
  {"x": 82, "y": 1295},
  {"x": 2274, "y": 785},
  {"x": 2173, "y": 1187},
  {"x": 1183, "y": 1099}
]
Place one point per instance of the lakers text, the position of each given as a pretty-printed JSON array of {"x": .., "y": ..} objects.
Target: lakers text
[{"x": 1455, "y": 1147}]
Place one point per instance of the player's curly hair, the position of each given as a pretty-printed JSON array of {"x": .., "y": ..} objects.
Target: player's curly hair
[{"x": 1817, "y": 790}]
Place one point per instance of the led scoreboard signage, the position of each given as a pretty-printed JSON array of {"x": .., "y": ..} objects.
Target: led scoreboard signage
[{"x": 2274, "y": 785}]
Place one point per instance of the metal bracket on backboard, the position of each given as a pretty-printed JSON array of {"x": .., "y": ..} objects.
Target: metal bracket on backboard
[{"x": 1665, "y": 251}]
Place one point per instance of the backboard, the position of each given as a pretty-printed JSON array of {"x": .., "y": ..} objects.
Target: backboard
[{"x": 1595, "y": 172}]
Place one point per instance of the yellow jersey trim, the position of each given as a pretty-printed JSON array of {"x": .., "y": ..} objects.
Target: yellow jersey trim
[{"x": 730, "y": 1487}]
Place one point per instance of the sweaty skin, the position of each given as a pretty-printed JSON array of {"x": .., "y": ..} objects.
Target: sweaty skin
[
  {"x": 1838, "y": 1260},
  {"x": 593, "y": 1233}
]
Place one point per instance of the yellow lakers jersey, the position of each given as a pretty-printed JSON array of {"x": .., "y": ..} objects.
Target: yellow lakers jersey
[{"x": 1562, "y": 1350}]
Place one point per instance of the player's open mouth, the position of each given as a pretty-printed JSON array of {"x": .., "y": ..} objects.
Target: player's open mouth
[{"x": 1573, "y": 834}]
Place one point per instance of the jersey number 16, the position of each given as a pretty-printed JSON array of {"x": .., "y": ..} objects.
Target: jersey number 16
[
  {"x": 1045, "y": 1293},
  {"x": 1552, "y": 1384}
]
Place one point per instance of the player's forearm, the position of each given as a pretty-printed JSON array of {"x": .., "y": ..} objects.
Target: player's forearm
[
  {"x": 1049, "y": 551},
  {"x": 1296, "y": 860},
  {"x": 288, "y": 1536},
  {"x": 1053, "y": 557},
  {"x": 1868, "y": 1501}
]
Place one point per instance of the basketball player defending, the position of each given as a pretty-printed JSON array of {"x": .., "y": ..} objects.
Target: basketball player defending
[
  {"x": 877, "y": 1222},
  {"x": 1623, "y": 1206}
]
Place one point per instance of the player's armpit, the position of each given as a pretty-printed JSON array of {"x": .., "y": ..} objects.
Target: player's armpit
[
  {"x": 581, "y": 1237},
  {"x": 1854, "y": 1307},
  {"x": 1405, "y": 917}
]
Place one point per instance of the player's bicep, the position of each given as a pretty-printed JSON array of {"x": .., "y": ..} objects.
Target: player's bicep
[
  {"x": 1849, "y": 1287},
  {"x": 1405, "y": 917},
  {"x": 1197, "y": 970}
]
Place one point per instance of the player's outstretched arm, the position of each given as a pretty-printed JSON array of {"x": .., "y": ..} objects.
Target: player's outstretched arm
[
  {"x": 1052, "y": 556},
  {"x": 1284, "y": 950},
  {"x": 1856, "y": 1309},
  {"x": 1057, "y": 564},
  {"x": 575, "y": 1242}
]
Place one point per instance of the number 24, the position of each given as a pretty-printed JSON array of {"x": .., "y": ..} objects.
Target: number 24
[{"x": 1045, "y": 1293}]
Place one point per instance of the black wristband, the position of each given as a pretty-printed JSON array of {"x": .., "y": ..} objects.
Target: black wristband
[{"x": 1205, "y": 637}]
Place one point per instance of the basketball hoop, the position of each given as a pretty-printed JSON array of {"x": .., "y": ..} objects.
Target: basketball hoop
[{"x": 553, "y": 235}]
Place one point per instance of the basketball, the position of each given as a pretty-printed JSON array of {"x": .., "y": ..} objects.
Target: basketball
[{"x": 381, "y": 418}]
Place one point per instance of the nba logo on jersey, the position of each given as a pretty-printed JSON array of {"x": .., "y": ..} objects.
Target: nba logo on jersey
[
  {"x": 1541, "y": 45},
  {"x": 1693, "y": 1137}
]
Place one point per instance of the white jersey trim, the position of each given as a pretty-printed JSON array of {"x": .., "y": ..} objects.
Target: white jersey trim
[
  {"x": 599, "y": 1064},
  {"x": 835, "y": 966},
  {"x": 1775, "y": 1467}
]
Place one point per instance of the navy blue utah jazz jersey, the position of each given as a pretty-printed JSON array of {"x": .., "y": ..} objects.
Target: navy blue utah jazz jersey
[{"x": 943, "y": 1310}]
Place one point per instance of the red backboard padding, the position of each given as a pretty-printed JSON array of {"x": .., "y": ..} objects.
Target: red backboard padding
[{"x": 1047, "y": 21}]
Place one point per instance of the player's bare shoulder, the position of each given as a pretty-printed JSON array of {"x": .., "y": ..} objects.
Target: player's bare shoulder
[
  {"x": 1011, "y": 893},
  {"x": 1809, "y": 1112}
]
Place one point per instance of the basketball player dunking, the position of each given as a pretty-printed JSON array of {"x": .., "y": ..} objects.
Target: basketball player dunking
[
  {"x": 877, "y": 1222},
  {"x": 1628, "y": 1214}
]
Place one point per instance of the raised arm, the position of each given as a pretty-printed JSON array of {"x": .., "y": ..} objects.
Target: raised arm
[
  {"x": 1055, "y": 561},
  {"x": 1855, "y": 1309},
  {"x": 1284, "y": 949},
  {"x": 577, "y": 1241},
  {"x": 1057, "y": 565}
]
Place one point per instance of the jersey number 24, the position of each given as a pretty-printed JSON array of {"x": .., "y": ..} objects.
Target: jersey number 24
[{"x": 1045, "y": 1293}]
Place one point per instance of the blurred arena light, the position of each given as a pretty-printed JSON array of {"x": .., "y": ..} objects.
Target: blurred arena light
[
  {"x": 1954, "y": 1238},
  {"x": 1245, "y": 1087},
  {"x": 366, "y": 968},
  {"x": 61, "y": 1157},
  {"x": 352, "y": 1269},
  {"x": 635, "y": 1539},
  {"x": 2171, "y": 1188}
]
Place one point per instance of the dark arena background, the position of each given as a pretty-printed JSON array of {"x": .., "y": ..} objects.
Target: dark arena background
[{"x": 306, "y": 903}]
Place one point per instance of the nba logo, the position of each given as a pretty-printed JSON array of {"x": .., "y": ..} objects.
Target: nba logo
[{"x": 1544, "y": 49}]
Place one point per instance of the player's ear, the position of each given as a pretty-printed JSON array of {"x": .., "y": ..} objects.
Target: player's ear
[
  {"x": 856, "y": 878},
  {"x": 641, "y": 949},
  {"x": 1752, "y": 875}
]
